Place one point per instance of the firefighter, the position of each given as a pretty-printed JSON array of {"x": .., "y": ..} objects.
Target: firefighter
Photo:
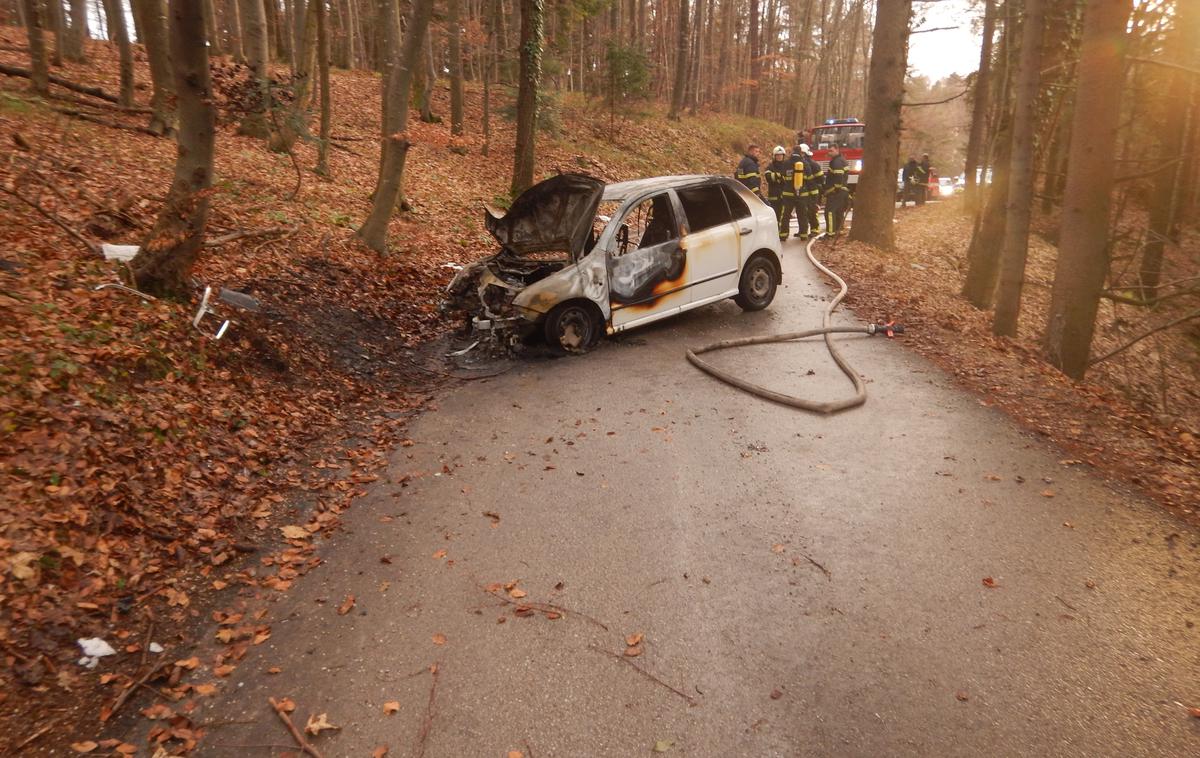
[
  {"x": 922, "y": 179},
  {"x": 747, "y": 170},
  {"x": 779, "y": 191},
  {"x": 908, "y": 178},
  {"x": 837, "y": 194},
  {"x": 813, "y": 177}
]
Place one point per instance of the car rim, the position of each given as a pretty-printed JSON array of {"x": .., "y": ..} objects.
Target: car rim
[
  {"x": 760, "y": 282},
  {"x": 575, "y": 330}
]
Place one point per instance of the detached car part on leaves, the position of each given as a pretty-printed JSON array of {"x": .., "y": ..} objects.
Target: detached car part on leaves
[{"x": 579, "y": 258}]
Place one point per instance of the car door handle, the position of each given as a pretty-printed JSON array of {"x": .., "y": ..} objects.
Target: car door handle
[{"x": 745, "y": 230}]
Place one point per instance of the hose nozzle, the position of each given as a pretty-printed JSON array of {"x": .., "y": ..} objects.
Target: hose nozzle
[{"x": 890, "y": 329}]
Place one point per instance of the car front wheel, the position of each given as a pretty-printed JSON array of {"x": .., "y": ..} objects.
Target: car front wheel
[
  {"x": 757, "y": 287},
  {"x": 572, "y": 328}
]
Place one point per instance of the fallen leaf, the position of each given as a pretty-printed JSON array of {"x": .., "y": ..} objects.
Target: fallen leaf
[
  {"x": 224, "y": 670},
  {"x": 286, "y": 704},
  {"x": 318, "y": 724},
  {"x": 346, "y": 605},
  {"x": 776, "y": 694},
  {"x": 663, "y": 746},
  {"x": 634, "y": 639},
  {"x": 440, "y": 554},
  {"x": 776, "y": 548},
  {"x": 379, "y": 752},
  {"x": 989, "y": 582},
  {"x": 517, "y": 593},
  {"x": 1047, "y": 493},
  {"x": 274, "y": 670},
  {"x": 633, "y": 651},
  {"x": 204, "y": 690},
  {"x": 992, "y": 477},
  {"x": 293, "y": 532},
  {"x": 1195, "y": 712},
  {"x": 1090, "y": 584},
  {"x": 391, "y": 706},
  {"x": 189, "y": 663},
  {"x": 515, "y": 754},
  {"x": 439, "y": 639},
  {"x": 84, "y": 747},
  {"x": 962, "y": 696}
]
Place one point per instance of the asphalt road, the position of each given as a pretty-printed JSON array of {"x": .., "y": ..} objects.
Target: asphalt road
[{"x": 806, "y": 586}]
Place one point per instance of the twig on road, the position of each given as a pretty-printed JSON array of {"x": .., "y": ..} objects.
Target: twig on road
[
  {"x": 545, "y": 607},
  {"x": 828, "y": 574},
  {"x": 427, "y": 724},
  {"x": 691, "y": 700},
  {"x": 25, "y": 742},
  {"x": 1064, "y": 602},
  {"x": 301, "y": 743}
]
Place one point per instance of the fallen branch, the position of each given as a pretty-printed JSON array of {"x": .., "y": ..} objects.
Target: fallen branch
[
  {"x": 82, "y": 89},
  {"x": 103, "y": 104},
  {"x": 104, "y": 121},
  {"x": 1135, "y": 340},
  {"x": 937, "y": 102},
  {"x": 91, "y": 246},
  {"x": 546, "y": 607},
  {"x": 301, "y": 743},
  {"x": 824, "y": 570},
  {"x": 127, "y": 692},
  {"x": 241, "y": 234},
  {"x": 1064, "y": 602},
  {"x": 691, "y": 700},
  {"x": 427, "y": 724}
]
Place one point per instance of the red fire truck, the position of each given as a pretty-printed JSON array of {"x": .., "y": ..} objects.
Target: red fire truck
[
  {"x": 846, "y": 133},
  {"x": 849, "y": 134}
]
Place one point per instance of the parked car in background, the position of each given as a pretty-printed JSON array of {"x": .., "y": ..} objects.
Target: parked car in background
[{"x": 579, "y": 258}]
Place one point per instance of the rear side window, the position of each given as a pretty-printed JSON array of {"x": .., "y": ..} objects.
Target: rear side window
[
  {"x": 705, "y": 207},
  {"x": 736, "y": 203}
]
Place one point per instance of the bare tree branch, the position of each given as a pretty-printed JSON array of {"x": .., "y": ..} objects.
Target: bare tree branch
[
  {"x": 1135, "y": 340},
  {"x": 936, "y": 102}
]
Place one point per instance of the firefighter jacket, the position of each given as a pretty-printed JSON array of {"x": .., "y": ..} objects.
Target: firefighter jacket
[
  {"x": 777, "y": 178},
  {"x": 835, "y": 177},
  {"x": 921, "y": 173},
  {"x": 813, "y": 177},
  {"x": 909, "y": 172},
  {"x": 747, "y": 174}
]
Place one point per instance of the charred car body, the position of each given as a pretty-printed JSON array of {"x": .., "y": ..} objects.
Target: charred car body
[{"x": 579, "y": 258}]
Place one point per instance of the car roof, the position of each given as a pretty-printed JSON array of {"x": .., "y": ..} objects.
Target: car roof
[{"x": 622, "y": 190}]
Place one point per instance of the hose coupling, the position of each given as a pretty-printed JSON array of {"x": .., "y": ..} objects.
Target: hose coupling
[{"x": 890, "y": 329}]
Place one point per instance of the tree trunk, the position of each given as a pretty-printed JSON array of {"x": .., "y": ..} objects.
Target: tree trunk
[
  {"x": 37, "y": 46},
  {"x": 1020, "y": 180},
  {"x": 395, "y": 143},
  {"x": 875, "y": 198},
  {"x": 681, "y": 51},
  {"x": 755, "y": 57},
  {"x": 530, "y": 75},
  {"x": 430, "y": 79},
  {"x": 1083, "y": 240},
  {"x": 162, "y": 120},
  {"x": 294, "y": 121},
  {"x": 210, "y": 28},
  {"x": 233, "y": 30},
  {"x": 58, "y": 24},
  {"x": 77, "y": 33},
  {"x": 326, "y": 96},
  {"x": 456, "y": 70},
  {"x": 114, "y": 12},
  {"x": 254, "y": 42},
  {"x": 1168, "y": 185},
  {"x": 979, "y": 109},
  {"x": 987, "y": 237},
  {"x": 164, "y": 264}
]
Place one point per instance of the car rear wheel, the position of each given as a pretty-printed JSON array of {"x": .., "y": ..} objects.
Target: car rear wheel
[
  {"x": 572, "y": 328},
  {"x": 757, "y": 287}
]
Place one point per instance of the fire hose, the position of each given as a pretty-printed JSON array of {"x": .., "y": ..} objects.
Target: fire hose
[{"x": 827, "y": 330}]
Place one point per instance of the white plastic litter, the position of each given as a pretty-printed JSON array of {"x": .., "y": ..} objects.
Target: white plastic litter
[
  {"x": 155, "y": 647},
  {"x": 123, "y": 253},
  {"x": 93, "y": 649}
]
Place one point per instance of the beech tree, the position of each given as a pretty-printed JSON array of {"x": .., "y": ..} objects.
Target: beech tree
[
  {"x": 1020, "y": 181},
  {"x": 1083, "y": 254},
  {"x": 395, "y": 142},
  {"x": 254, "y": 42},
  {"x": 114, "y": 13},
  {"x": 979, "y": 109},
  {"x": 875, "y": 198},
  {"x": 77, "y": 32},
  {"x": 153, "y": 34},
  {"x": 163, "y": 265},
  {"x": 293, "y": 122},
  {"x": 681, "y": 49},
  {"x": 37, "y": 46},
  {"x": 454, "y": 23},
  {"x": 322, "y": 168},
  {"x": 529, "y": 80}
]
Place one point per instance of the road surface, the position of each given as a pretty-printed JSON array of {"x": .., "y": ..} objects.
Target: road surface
[{"x": 806, "y": 586}]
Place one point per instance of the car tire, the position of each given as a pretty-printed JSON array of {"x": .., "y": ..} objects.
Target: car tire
[
  {"x": 757, "y": 287},
  {"x": 572, "y": 327}
]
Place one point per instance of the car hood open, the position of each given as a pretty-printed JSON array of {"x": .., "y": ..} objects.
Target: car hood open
[{"x": 556, "y": 214}]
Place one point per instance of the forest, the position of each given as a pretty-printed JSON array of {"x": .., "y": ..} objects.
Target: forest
[{"x": 327, "y": 162}]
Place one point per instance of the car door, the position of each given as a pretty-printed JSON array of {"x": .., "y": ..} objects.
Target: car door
[
  {"x": 711, "y": 242},
  {"x": 647, "y": 263}
]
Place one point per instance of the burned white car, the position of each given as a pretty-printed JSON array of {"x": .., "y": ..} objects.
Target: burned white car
[{"x": 579, "y": 258}]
